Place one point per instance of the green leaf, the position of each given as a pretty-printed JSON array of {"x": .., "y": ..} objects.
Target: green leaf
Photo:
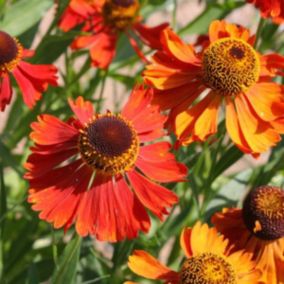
[
  {"x": 66, "y": 271},
  {"x": 232, "y": 155},
  {"x": 23, "y": 15},
  {"x": 212, "y": 12},
  {"x": 55, "y": 45},
  {"x": 3, "y": 208}
]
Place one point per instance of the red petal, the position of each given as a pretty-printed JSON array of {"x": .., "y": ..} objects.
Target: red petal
[
  {"x": 162, "y": 167},
  {"x": 50, "y": 130},
  {"x": 83, "y": 109},
  {"x": 153, "y": 196},
  {"x": 111, "y": 211},
  {"x": 5, "y": 92},
  {"x": 151, "y": 36}
]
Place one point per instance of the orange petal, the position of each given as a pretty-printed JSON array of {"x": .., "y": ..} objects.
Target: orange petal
[
  {"x": 163, "y": 78},
  {"x": 233, "y": 127},
  {"x": 83, "y": 109},
  {"x": 259, "y": 135},
  {"x": 185, "y": 241},
  {"x": 220, "y": 29},
  {"x": 267, "y": 99},
  {"x": 200, "y": 120},
  {"x": 206, "y": 123},
  {"x": 204, "y": 239},
  {"x": 177, "y": 48},
  {"x": 144, "y": 264}
]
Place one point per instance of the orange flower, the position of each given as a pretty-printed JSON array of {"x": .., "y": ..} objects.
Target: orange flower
[
  {"x": 33, "y": 80},
  {"x": 207, "y": 259},
  {"x": 103, "y": 21},
  {"x": 258, "y": 229},
  {"x": 100, "y": 171},
  {"x": 228, "y": 69},
  {"x": 270, "y": 9}
]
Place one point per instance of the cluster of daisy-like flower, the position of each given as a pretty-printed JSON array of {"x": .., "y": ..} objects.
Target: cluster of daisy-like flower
[{"x": 103, "y": 172}]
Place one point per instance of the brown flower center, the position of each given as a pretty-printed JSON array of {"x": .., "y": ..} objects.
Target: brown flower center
[
  {"x": 263, "y": 212},
  {"x": 230, "y": 66},
  {"x": 109, "y": 144},
  {"x": 10, "y": 52},
  {"x": 123, "y": 3},
  {"x": 120, "y": 14},
  {"x": 207, "y": 268}
]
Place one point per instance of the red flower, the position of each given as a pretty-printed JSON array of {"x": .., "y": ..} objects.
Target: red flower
[
  {"x": 270, "y": 9},
  {"x": 33, "y": 80},
  {"x": 99, "y": 171},
  {"x": 103, "y": 21}
]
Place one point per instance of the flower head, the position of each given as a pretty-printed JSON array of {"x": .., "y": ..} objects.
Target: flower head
[
  {"x": 100, "y": 172},
  {"x": 32, "y": 79},
  {"x": 270, "y": 9},
  {"x": 228, "y": 70},
  {"x": 103, "y": 22},
  {"x": 258, "y": 229},
  {"x": 208, "y": 260}
]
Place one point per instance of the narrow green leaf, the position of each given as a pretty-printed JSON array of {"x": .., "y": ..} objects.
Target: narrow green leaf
[
  {"x": 232, "y": 155},
  {"x": 3, "y": 208},
  {"x": 212, "y": 12},
  {"x": 23, "y": 15},
  {"x": 55, "y": 44},
  {"x": 66, "y": 271}
]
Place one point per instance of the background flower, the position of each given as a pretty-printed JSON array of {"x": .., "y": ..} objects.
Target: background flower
[
  {"x": 258, "y": 228},
  {"x": 103, "y": 23},
  {"x": 270, "y": 9},
  {"x": 33, "y": 80},
  {"x": 208, "y": 260}
]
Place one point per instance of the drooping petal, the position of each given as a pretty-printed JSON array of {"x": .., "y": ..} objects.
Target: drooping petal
[
  {"x": 233, "y": 127},
  {"x": 267, "y": 99},
  {"x": 163, "y": 78},
  {"x": 5, "y": 92},
  {"x": 30, "y": 94},
  {"x": 144, "y": 264},
  {"x": 153, "y": 196},
  {"x": 38, "y": 164},
  {"x": 150, "y": 35},
  {"x": 259, "y": 135},
  {"x": 40, "y": 74},
  {"x": 33, "y": 80},
  {"x": 83, "y": 109},
  {"x": 185, "y": 243},
  {"x": 178, "y": 49},
  {"x": 167, "y": 99},
  {"x": 57, "y": 193},
  {"x": 200, "y": 121},
  {"x": 162, "y": 167},
  {"x": 111, "y": 212},
  {"x": 272, "y": 65}
]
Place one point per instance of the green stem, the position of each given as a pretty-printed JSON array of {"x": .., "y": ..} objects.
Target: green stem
[
  {"x": 174, "y": 16},
  {"x": 259, "y": 31},
  {"x": 100, "y": 98}
]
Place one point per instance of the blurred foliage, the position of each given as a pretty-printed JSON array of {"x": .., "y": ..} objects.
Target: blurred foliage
[{"x": 31, "y": 251}]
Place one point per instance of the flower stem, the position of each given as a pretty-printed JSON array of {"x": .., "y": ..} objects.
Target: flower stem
[
  {"x": 174, "y": 16},
  {"x": 100, "y": 98},
  {"x": 258, "y": 32}
]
